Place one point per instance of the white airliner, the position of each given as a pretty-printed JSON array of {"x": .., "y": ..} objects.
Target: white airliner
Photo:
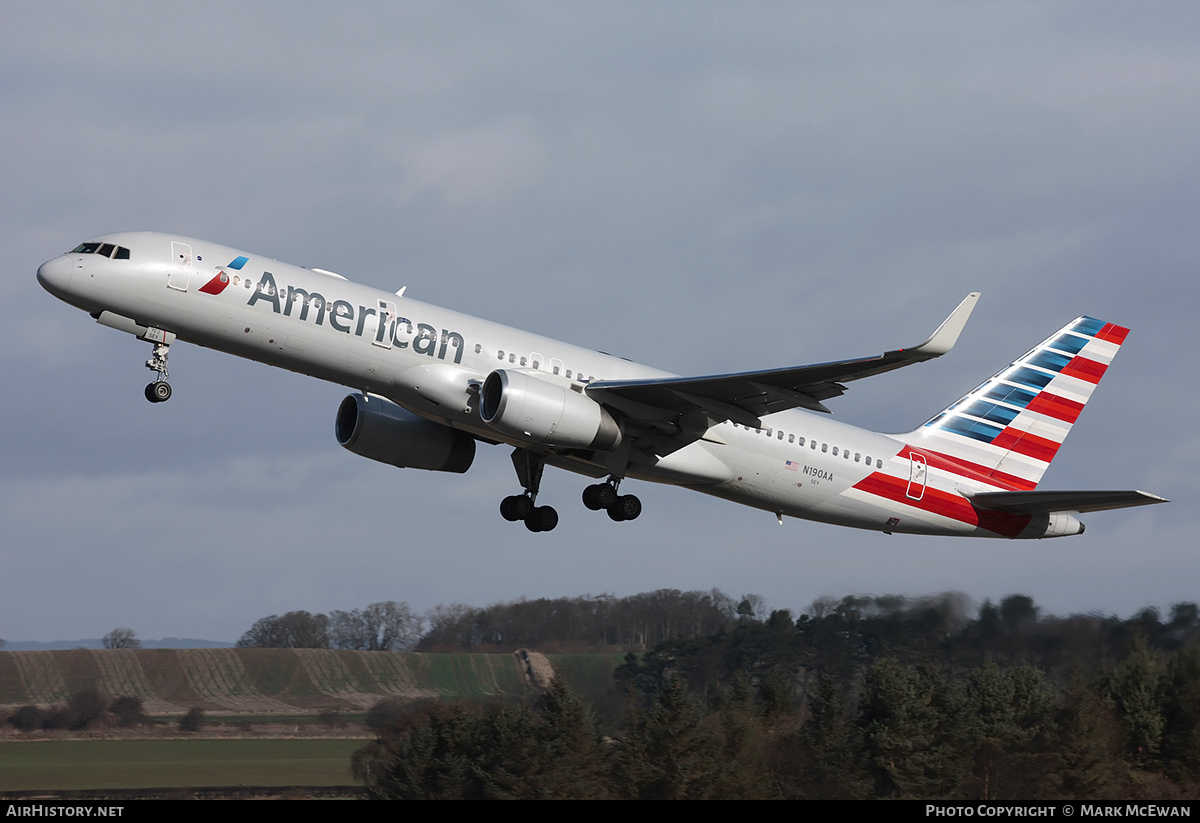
[{"x": 432, "y": 383}]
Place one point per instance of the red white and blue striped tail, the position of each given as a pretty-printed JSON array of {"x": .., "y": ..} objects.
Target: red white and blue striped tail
[{"x": 1007, "y": 431}]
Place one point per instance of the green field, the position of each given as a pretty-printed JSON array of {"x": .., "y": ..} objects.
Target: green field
[{"x": 116, "y": 764}]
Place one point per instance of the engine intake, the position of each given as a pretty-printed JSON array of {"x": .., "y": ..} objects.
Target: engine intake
[
  {"x": 531, "y": 408},
  {"x": 383, "y": 431}
]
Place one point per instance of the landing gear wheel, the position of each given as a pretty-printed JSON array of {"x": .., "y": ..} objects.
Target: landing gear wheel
[
  {"x": 625, "y": 507},
  {"x": 542, "y": 519},
  {"x": 599, "y": 496},
  {"x": 524, "y": 507},
  {"x": 514, "y": 508},
  {"x": 158, "y": 392}
]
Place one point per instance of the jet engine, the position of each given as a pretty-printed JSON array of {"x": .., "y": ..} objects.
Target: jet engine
[
  {"x": 523, "y": 405},
  {"x": 381, "y": 430}
]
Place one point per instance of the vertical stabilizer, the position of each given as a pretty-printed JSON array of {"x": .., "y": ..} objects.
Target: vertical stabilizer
[{"x": 1008, "y": 430}]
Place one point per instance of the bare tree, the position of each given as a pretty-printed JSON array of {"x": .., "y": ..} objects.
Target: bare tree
[
  {"x": 122, "y": 639},
  {"x": 294, "y": 630},
  {"x": 385, "y": 626}
]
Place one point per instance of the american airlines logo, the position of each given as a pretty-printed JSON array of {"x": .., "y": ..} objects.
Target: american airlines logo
[
  {"x": 343, "y": 316},
  {"x": 218, "y": 283}
]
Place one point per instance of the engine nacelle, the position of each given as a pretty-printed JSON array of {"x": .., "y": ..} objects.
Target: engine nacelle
[
  {"x": 531, "y": 408},
  {"x": 383, "y": 431}
]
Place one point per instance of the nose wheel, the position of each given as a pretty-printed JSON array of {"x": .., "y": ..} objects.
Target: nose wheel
[{"x": 160, "y": 390}]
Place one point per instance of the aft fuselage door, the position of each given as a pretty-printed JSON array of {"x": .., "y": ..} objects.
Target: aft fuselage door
[
  {"x": 918, "y": 473},
  {"x": 180, "y": 269}
]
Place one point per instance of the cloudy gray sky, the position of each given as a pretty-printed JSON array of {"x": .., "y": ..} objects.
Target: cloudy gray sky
[{"x": 701, "y": 187}]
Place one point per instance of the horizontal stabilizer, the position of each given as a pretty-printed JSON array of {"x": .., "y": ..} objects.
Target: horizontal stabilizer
[{"x": 1049, "y": 502}]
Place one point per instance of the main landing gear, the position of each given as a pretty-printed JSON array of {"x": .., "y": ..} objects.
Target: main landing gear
[
  {"x": 524, "y": 506},
  {"x": 160, "y": 390},
  {"x": 620, "y": 507},
  {"x": 529, "y": 466}
]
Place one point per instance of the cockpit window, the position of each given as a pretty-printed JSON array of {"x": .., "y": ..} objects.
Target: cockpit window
[{"x": 103, "y": 249}]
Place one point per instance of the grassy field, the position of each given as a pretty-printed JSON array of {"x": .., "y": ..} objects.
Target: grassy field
[{"x": 115, "y": 764}]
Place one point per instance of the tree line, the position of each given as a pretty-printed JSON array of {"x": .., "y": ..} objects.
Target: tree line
[
  {"x": 386, "y": 626},
  {"x": 858, "y": 698},
  {"x": 831, "y": 634},
  {"x": 575, "y": 623}
]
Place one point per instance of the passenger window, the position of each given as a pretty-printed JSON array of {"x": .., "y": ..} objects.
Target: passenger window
[
  {"x": 556, "y": 369},
  {"x": 478, "y": 348},
  {"x": 792, "y": 439},
  {"x": 568, "y": 374},
  {"x": 814, "y": 445},
  {"x": 845, "y": 454},
  {"x": 835, "y": 451},
  {"x": 879, "y": 464},
  {"x": 536, "y": 364},
  {"x": 523, "y": 359},
  {"x": 512, "y": 358},
  {"x": 857, "y": 455},
  {"x": 781, "y": 435},
  {"x": 824, "y": 448},
  {"x": 500, "y": 355}
]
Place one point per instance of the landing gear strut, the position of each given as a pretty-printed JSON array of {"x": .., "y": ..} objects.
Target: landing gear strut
[
  {"x": 160, "y": 390},
  {"x": 524, "y": 506},
  {"x": 620, "y": 507}
]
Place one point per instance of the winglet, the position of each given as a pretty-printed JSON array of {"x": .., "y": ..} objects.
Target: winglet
[{"x": 946, "y": 336}]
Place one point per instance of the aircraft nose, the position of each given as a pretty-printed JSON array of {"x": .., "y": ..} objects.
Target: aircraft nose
[{"x": 55, "y": 275}]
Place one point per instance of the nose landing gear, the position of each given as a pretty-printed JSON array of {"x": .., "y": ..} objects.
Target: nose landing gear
[{"x": 160, "y": 390}]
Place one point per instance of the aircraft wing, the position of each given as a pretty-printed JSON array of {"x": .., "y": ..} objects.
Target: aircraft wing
[
  {"x": 1048, "y": 502},
  {"x": 745, "y": 397}
]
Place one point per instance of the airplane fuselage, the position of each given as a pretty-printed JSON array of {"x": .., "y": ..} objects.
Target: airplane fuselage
[{"x": 434, "y": 362}]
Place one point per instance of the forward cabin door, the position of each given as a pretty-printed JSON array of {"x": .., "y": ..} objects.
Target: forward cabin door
[{"x": 180, "y": 269}]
